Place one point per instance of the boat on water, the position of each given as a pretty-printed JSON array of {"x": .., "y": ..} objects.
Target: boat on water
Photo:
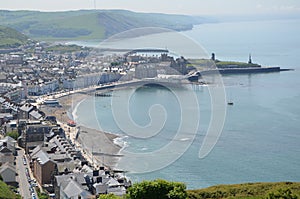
[{"x": 230, "y": 103}]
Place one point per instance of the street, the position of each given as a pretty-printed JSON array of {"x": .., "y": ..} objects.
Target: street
[{"x": 22, "y": 178}]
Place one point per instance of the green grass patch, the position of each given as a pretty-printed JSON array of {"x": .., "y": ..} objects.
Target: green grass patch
[
  {"x": 248, "y": 190},
  {"x": 6, "y": 193},
  {"x": 14, "y": 134},
  {"x": 235, "y": 64},
  {"x": 65, "y": 48},
  {"x": 11, "y": 38}
]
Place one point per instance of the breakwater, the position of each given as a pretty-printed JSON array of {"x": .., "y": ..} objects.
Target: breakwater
[{"x": 242, "y": 70}]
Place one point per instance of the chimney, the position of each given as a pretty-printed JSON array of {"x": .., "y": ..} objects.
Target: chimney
[
  {"x": 99, "y": 179},
  {"x": 96, "y": 173}
]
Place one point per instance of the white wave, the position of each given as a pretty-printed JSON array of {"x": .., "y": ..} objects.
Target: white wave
[
  {"x": 144, "y": 149},
  {"x": 75, "y": 110},
  {"x": 119, "y": 141},
  {"x": 184, "y": 139}
]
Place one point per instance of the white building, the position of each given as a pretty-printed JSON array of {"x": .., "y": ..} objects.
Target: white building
[{"x": 43, "y": 88}]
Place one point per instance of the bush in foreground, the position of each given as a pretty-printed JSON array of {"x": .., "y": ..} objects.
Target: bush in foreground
[
  {"x": 282, "y": 194},
  {"x": 157, "y": 189},
  {"x": 108, "y": 196},
  {"x": 161, "y": 189},
  {"x": 282, "y": 190},
  {"x": 5, "y": 192}
]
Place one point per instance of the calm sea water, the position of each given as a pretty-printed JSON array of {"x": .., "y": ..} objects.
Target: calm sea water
[{"x": 261, "y": 136}]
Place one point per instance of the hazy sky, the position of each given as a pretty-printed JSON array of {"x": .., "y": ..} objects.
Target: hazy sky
[{"x": 164, "y": 6}]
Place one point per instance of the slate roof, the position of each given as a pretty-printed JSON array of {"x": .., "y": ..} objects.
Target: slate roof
[
  {"x": 26, "y": 108},
  {"x": 4, "y": 149},
  {"x": 35, "y": 114},
  {"x": 7, "y": 165},
  {"x": 72, "y": 189},
  {"x": 42, "y": 157}
]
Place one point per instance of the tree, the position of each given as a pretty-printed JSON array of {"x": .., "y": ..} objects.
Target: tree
[
  {"x": 157, "y": 189},
  {"x": 14, "y": 134}
]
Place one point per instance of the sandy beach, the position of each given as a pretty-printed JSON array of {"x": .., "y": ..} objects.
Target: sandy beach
[{"x": 97, "y": 146}]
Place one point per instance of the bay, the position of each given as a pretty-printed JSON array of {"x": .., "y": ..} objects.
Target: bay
[{"x": 261, "y": 136}]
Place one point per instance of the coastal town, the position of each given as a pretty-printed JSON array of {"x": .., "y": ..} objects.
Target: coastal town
[
  {"x": 43, "y": 151},
  {"x": 40, "y": 152},
  {"x": 149, "y": 99}
]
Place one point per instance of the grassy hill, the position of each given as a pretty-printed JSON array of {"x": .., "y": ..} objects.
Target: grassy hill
[
  {"x": 249, "y": 190},
  {"x": 5, "y": 192},
  {"x": 11, "y": 38},
  {"x": 90, "y": 24}
]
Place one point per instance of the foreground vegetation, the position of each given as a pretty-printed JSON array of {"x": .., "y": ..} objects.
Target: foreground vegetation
[
  {"x": 161, "y": 189},
  {"x": 284, "y": 190},
  {"x": 5, "y": 192}
]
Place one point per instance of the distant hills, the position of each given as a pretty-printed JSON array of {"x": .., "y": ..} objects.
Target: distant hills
[
  {"x": 91, "y": 24},
  {"x": 10, "y": 38}
]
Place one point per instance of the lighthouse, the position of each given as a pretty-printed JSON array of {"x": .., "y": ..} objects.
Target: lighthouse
[{"x": 250, "y": 60}]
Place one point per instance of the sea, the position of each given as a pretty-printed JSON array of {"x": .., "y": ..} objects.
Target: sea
[{"x": 260, "y": 138}]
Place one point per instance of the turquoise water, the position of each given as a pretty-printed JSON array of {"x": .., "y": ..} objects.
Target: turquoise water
[{"x": 261, "y": 136}]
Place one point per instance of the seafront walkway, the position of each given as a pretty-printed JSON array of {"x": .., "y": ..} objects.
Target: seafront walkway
[{"x": 71, "y": 134}]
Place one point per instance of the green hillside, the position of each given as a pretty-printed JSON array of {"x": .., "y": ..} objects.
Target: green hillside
[
  {"x": 11, "y": 38},
  {"x": 90, "y": 24},
  {"x": 163, "y": 189},
  {"x": 5, "y": 192},
  {"x": 288, "y": 190}
]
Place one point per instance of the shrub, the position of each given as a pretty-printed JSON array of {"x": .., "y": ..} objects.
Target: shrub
[
  {"x": 157, "y": 189},
  {"x": 108, "y": 196},
  {"x": 14, "y": 134},
  {"x": 282, "y": 194}
]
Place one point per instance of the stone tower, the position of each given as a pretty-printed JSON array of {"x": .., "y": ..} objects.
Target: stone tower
[
  {"x": 213, "y": 56},
  {"x": 250, "y": 60}
]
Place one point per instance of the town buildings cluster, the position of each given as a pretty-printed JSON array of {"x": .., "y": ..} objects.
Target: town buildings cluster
[
  {"x": 39, "y": 68},
  {"x": 55, "y": 162}
]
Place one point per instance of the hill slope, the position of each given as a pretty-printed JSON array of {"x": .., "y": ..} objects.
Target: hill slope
[
  {"x": 249, "y": 190},
  {"x": 5, "y": 192},
  {"x": 11, "y": 38},
  {"x": 90, "y": 24}
]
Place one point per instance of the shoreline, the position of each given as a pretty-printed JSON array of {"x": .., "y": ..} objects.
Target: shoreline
[{"x": 98, "y": 147}]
